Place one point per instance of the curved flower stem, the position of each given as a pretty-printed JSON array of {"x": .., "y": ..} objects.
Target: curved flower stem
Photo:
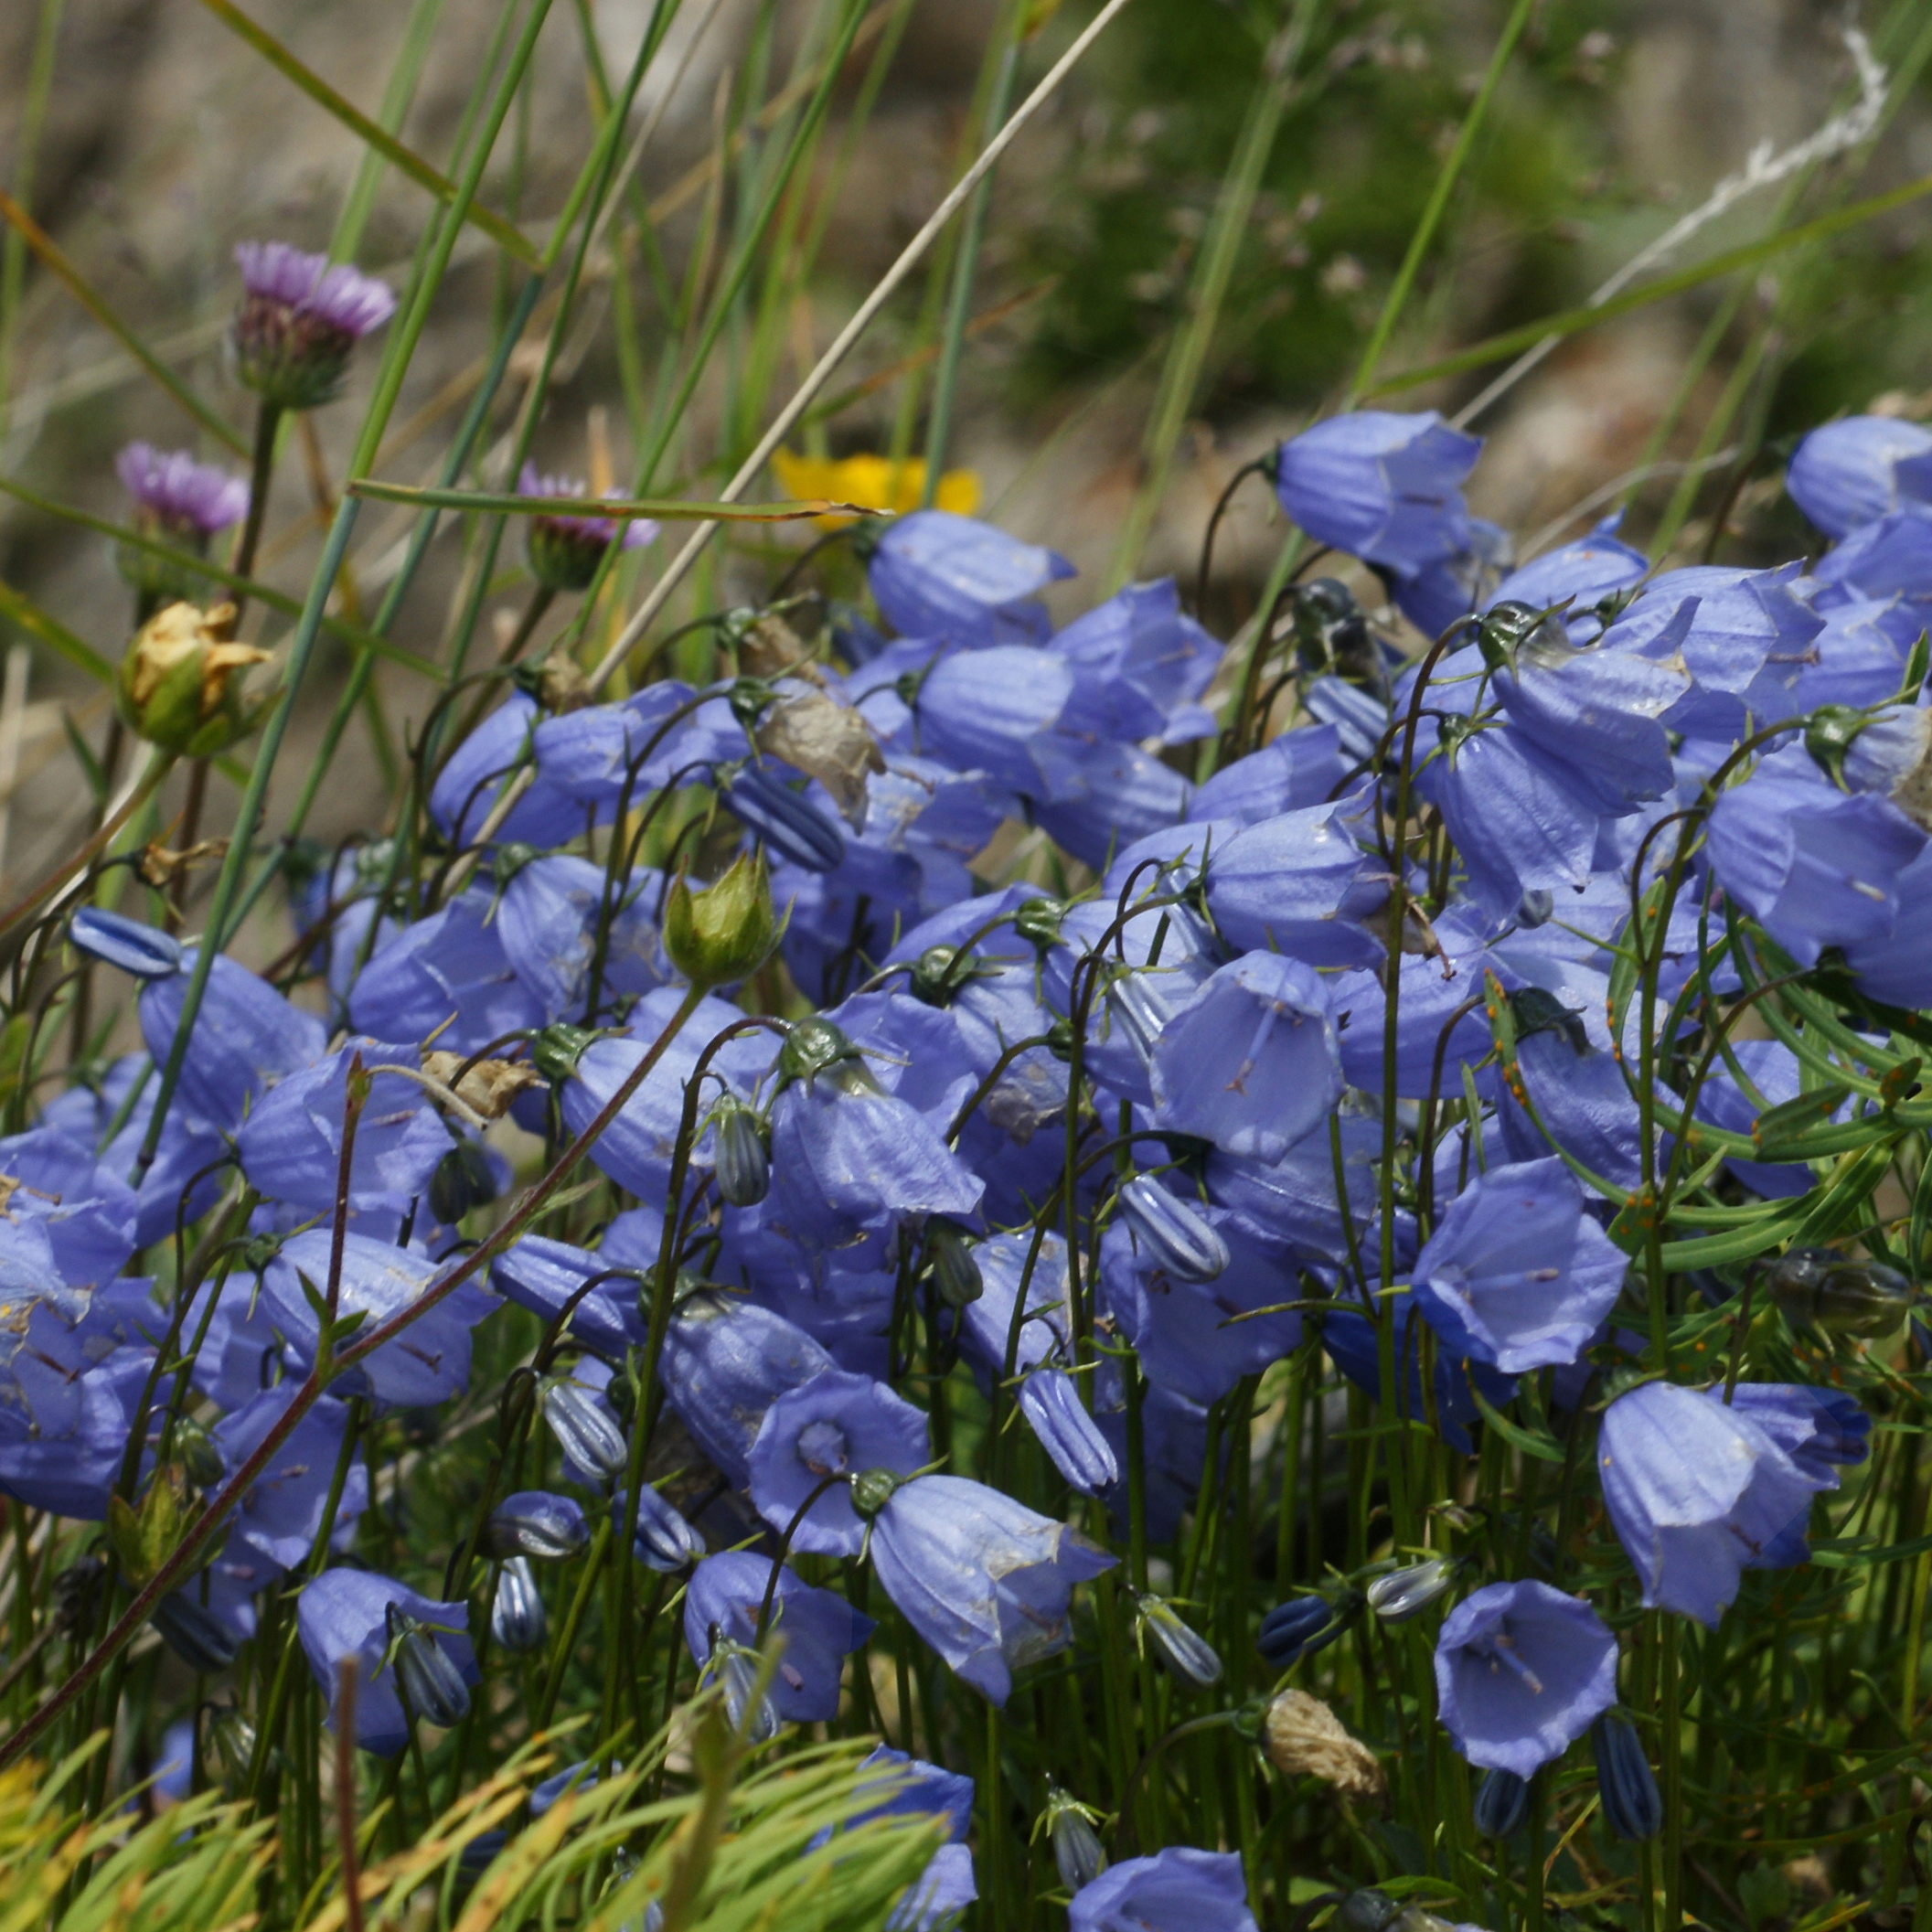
[{"x": 1124, "y": 1828}]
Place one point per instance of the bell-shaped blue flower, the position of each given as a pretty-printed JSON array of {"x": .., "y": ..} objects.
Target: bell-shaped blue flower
[
  {"x": 1351, "y": 1340},
  {"x": 1521, "y": 1671},
  {"x": 987, "y": 1583},
  {"x": 1301, "y": 767},
  {"x": 1140, "y": 665},
  {"x": 1298, "y": 884},
  {"x": 1102, "y": 795},
  {"x": 831, "y": 1428},
  {"x": 541, "y": 1274},
  {"x": 1859, "y": 469},
  {"x": 1697, "y": 1490},
  {"x": 935, "y": 575},
  {"x": 347, "y": 1613},
  {"x": 1581, "y": 574},
  {"x": 89, "y": 1216},
  {"x": 427, "y": 1365},
  {"x": 821, "y": 1629},
  {"x": 988, "y": 711},
  {"x": 1382, "y": 487},
  {"x": 1176, "y": 1889},
  {"x": 1516, "y": 1275},
  {"x": 590, "y": 755},
  {"x": 291, "y": 1144},
  {"x": 473, "y": 778},
  {"x": 1815, "y": 866},
  {"x": 546, "y": 924},
  {"x": 447, "y": 975},
  {"x": 1250, "y": 1060},
  {"x": 283, "y": 1514}
]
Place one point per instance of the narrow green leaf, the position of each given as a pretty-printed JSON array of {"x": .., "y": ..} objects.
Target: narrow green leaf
[
  {"x": 367, "y": 131},
  {"x": 620, "y": 509},
  {"x": 28, "y": 615},
  {"x": 1545, "y": 1448}
]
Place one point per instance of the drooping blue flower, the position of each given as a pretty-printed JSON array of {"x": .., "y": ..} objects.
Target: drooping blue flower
[
  {"x": 1102, "y": 795},
  {"x": 1583, "y": 573},
  {"x": 835, "y": 1426},
  {"x": 1521, "y": 1672},
  {"x": 246, "y": 1034},
  {"x": 546, "y": 924},
  {"x": 663, "y": 1540},
  {"x": 1250, "y": 1060},
  {"x": 1817, "y": 1428},
  {"x": 590, "y": 755},
  {"x": 426, "y": 1364},
  {"x": 821, "y": 1628},
  {"x": 447, "y": 975},
  {"x": 1891, "y": 560},
  {"x": 1176, "y": 1889},
  {"x": 1815, "y": 866},
  {"x": 1516, "y": 1275},
  {"x": 1583, "y": 1105},
  {"x": 990, "y": 710},
  {"x": 790, "y": 823},
  {"x": 347, "y": 1613},
  {"x": 1857, "y": 660},
  {"x": 1897, "y": 968},
  {"x": 535, "y": 1522},
  {"x": 1041, "y": 1354},
  {"x": 986, "y": 1582},
  {"x": 1140, "y": 663},
  {"x": 89, "y": 1216},
  {"x": 478, "y": 772},
  {"x": 1301, "y": 767},
  {"x": 282, "y": 1514},
  {"x": 1433, "y": 988},
  {"x": 935, "y": 575},
  {"x": 1297, "y": 1203},
  {"x": 1856, "y": 470},
  {"x": 1382, "y": 487},
  {"x": 291, "y": 1144},
  {"x": 944, "y": 1889},
  {"x": 541, "y": 1274},
  {"x": 1697, "y": 1490},
  {"x": 848, "y": 1156},
  {"x": 726, "y": 1361},
  {"x": 1297, "y": 884},
  {"x": 910, "y": 1788},
  {"x": 1200, "y": 1338}
]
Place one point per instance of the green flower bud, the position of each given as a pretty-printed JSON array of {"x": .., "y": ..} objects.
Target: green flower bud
[
  {"x": 177, "y": 686},
  {"x": 725, "y": 933}
]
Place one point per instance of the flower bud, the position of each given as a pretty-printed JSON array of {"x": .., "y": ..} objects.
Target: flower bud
[
  {"x": 462, "y": 1182},
  {"x": 589, "y": 1436},
  {"x": 1820, "y": 1289},
  {"x": 737, "y": 1671},
  {"x": 1037, "y": 922},
  {"x": 178, "y": 686},
  {"x": 1176, "y": 1237},
  {"x": 534, "y": 1523},
  {"x": 1407, "y": 1593},
  {"x": 725, "y": 933},
  {"x": 955, "y": 1274},
  {"x": 1077, "y": 1850},
  {"x": 199, "y": 1455},
  {"x": 194, "y": 1633},
  {"x": 817, "y": 1045},
  {"x": 1502, "y": 1802},
  {"x": 1187, "y": 1655},
  {"x": 744, "y": 1160},
  {"x": 784, "y": 820},
  {"x": 871, "y": 1490},
  {"x": 664, "y": 1540},
  {"x": 426, "y": 1675},
  {"x": 1331, "y": 635},
  {"x": 938, "y": 973},
  {"x": 1368, "y": 1910},
  {"x": 1631, "y": 1801},
  {"x": 518, "y": 1622},
  {"x": 1299, "y": 1628},
  {"x": 231, "y": 1745}
]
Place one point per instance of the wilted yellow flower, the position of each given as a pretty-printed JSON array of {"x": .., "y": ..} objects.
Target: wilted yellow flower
[
  {"x": 1304, "y": 1738},
  {"x": 873, "y": 483},
  {"x": 177, "y": 687}
]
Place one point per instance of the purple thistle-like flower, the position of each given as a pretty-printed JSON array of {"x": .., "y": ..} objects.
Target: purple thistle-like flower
[
  {"x": 1521, "y": 1672},
  {"x": 179, "y": 497},
  {"x": 565, "y": 550},
  {"x": 299, "y": 320}
]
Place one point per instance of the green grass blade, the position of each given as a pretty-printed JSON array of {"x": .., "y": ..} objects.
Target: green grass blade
[
  {"x": 624, "y": 510},
  {"x": 405, "y": 160},
  {"x": 28, "y": 615}
]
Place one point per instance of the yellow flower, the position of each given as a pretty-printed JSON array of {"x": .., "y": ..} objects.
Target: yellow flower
[{"x": 873, "y": 483}]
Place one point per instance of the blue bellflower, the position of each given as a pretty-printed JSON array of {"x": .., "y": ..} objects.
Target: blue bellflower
[
  {"x": 935, "y": 575},
  {"x": 821, "y": 1629},
  {"x": 1521, "y": 1672},
  {"x": 347, "y": 1613},
  {"x": 1298, "y": 884},
  {"x": 1516, "y": 1275},
  {"x": 1857, "y": 470},
  {"x": 1176, "y": 1889},
  {"x": 833, "y": 1427},
  {"x": 1698, "y": 1492},
  {"x": 986, "y": 1582},
  {"x": 283, "y": 1516},
  {"x": 447, "y": 975}
]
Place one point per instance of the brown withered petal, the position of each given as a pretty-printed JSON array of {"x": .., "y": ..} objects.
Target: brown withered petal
[
  {"x": 770, "y": 647},
  {"x": 561, "y": 685},
  {"x": 223, "y": 660},
  {"x": 159, "y": 867},
  {"x": 828, "y": 741},
  {"x": 1304, "y": 1738},
  {"x": 489, "y": 1086}
]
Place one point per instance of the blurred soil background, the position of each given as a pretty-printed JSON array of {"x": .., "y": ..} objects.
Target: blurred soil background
[{"x": 160, "y": 140}]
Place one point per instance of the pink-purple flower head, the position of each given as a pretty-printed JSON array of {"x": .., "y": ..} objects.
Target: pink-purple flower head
[
  {"x": 299, "y": 320},
  {"x": 177, "y": 496},
  {"x": 565, "y": 552}
]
